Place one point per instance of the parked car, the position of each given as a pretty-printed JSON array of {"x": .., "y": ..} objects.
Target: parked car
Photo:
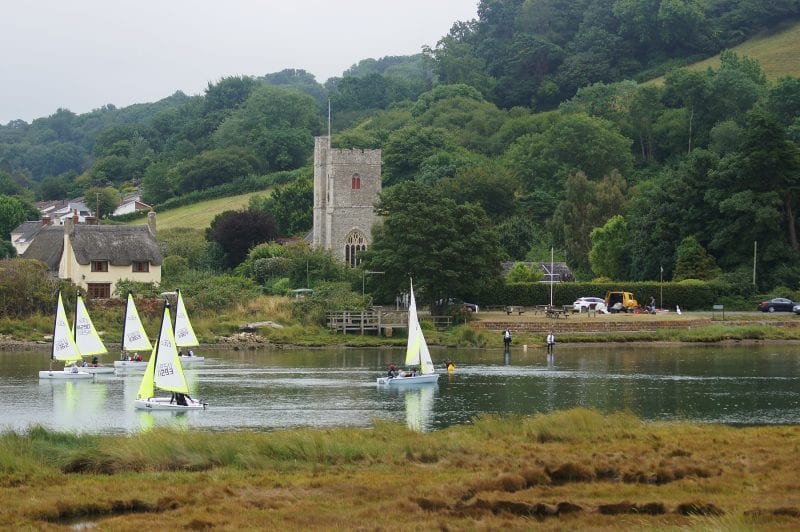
[
  {"x": 582, "y": 304},
  {"x": 776, "y": 304},
  {"x": 796, "y": 309}
]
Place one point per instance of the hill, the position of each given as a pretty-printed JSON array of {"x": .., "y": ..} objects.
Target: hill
[
  {"x": 777, "y": 51},
  {"x": 199, "y": 215}
]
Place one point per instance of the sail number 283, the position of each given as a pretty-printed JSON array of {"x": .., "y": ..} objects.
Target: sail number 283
[{"x": 165, "y": 369}]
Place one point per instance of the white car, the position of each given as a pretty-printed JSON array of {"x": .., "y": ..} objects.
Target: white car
[{"x": 583, "y": 304}]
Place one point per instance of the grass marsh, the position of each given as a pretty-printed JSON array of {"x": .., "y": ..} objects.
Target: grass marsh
[{"x": 567, "y": 470}]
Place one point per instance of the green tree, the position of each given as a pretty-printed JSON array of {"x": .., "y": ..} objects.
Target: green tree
[
  {"x": 14, "y": 211},
  {"x": 238, "y": 231},
  {"x": 450, "y": 250},
  {"x": 522, "y": 273},
  {"x": 693, "y": 262},
  {"x": 292, "y": 206},
  {"x": 106, "y": 199},
  {"x": 609, "y": 256}
]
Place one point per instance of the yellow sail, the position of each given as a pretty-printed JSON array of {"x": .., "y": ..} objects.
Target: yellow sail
[
  {"x": 164, "y": 369},
  {"x": 86, "y": 337}
]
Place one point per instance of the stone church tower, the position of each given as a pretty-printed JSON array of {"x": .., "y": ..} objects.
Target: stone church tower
[{"x": 346, "y": 187}]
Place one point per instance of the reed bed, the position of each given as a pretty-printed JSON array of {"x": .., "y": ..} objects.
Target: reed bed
[{"x": 574, "y": 469}]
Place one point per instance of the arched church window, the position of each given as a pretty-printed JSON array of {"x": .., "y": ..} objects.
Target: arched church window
[
  {"x": 355, "y": 243},
  {"x": 356, "y": 182}
]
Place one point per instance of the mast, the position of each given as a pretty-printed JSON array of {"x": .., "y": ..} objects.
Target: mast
[
  {"x": 55, "y": 323},
  {"x": 125, "y": 319}
]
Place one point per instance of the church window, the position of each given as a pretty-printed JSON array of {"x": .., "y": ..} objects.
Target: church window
[
  {"x": 355, "y": 243},
  {"x": 356, "y": 182}
]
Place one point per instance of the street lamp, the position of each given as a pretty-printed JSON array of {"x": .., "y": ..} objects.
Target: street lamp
[{"x": 364, "y": 273}]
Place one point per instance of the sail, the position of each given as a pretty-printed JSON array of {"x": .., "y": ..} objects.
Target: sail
[
  {"x": 168, "y": 371},
  {"x": 147, "y": 387},
  {"x": 86, "y": 337},
  {"x": 417, "y": 353},
  {"x": 184, "y": 333},
  {"x": 134, "y": 338},
  {"x": 64, "y": 347}
]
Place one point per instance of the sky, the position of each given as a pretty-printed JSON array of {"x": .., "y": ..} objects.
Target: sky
[{"x": 83, "y": 54}]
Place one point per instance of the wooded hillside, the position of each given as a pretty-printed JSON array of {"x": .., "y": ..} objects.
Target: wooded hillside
[{"x": 533, "y": 113}]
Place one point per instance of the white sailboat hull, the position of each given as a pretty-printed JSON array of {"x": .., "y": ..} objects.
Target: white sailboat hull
[
  {"x": 165, "y": 403},
  {"x": 130, "y": 364},
  {"x": 60, "y": 374},
  {"x": 189, "y": 359},
  {"x": 98, "y": 370},
  {"x": 403, "y": 381}
]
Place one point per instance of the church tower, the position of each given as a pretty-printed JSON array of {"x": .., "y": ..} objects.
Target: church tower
[{"x": 346, "y": 187}]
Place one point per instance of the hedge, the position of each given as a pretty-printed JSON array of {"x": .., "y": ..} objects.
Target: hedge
[{"x": 695, "y": 295}]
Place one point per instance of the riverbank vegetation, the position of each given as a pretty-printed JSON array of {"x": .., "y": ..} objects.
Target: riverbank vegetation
[{"x": 575, "y": 469}]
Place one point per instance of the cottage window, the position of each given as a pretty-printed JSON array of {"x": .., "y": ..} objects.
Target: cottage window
[
  {"x": 99, "y": 265},
  {"x": 356, "y": 182},
  {"x": 98, "y": 290},
  {"x": 140, "y": 266}
]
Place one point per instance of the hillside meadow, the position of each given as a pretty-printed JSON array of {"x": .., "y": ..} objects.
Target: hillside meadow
[
  {"x": 776, "y": 52},
  {"x": 200, "y": 214}
]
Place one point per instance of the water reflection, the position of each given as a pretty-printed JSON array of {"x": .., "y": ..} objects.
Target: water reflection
[{"x": 264, "y": 390}]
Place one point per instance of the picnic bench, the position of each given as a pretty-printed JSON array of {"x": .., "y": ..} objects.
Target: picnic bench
[
  {"x": 510, "y": 309},
  {"x": 556, "y": 313}
]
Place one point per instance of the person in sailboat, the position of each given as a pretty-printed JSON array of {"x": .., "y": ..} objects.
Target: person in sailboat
[
  {"x": 392, "y": 373},
  {"x": 95, "y": 361},
  {"x": 74, "y": 368}
]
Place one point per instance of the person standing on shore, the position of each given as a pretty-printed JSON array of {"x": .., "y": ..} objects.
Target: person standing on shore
[
  {"x": 551, "y": 342},
  {"x": 506, "y": 339}
]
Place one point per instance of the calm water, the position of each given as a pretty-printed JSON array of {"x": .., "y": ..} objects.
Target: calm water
[{"x": 323, "y": 388}]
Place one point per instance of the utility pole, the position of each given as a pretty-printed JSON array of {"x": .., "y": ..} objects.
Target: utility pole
[
  {"x": 97, "y": 210},
  {"x": 755, "y": 252}
]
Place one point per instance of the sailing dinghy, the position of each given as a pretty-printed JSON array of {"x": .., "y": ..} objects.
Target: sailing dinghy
[
  {"x": 64, "y": 349},
  {"x": 164, "y": 372},
  {"x": 184, "y": 333},
  {"x": 134, "y": 338},
  {"x": 417, "y": 353},
  {"x": 88, "y": 341}
]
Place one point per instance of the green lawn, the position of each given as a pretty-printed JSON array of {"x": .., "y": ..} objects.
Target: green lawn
[{"x": 199, "y": 215}]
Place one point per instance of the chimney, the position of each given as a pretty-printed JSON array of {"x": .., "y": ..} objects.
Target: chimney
[
  {"x": 69, "y": 224},
  {"x": 151, "y": 222},
  {"x": 46, "y": 220},
  {"x": 75, "y": 217}
]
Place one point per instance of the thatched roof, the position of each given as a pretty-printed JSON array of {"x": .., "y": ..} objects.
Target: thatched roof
[
  {"x": 47, "y": 246},
  {"x": 120, "y": 245}
]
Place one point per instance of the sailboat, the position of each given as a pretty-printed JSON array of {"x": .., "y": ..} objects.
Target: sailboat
[
  {"x": 164, "y": 372},
  {"x": 64, "y": 349},
  {"x": 417, "y": 353},
  {"x": 87, "y": 339},
  {"x": 184, "y": 333},
  {"x": 134, "y": 338}
]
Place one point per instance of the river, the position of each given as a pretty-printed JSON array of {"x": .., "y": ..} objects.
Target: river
[{"x": 265, "y": 390}]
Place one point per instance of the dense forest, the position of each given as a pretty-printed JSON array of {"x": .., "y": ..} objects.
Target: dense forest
[{"x": 535, "y": 121}]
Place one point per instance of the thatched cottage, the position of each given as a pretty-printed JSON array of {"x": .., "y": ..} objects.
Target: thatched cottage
[{"x": 96, "y": 257}]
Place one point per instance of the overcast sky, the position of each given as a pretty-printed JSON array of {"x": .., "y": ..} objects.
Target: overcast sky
[{"x": 83, "y": 54}]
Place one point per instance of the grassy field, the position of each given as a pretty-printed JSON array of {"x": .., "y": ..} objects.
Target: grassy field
[
  {"x": 569, "y": 470},
  {"x": 778, "y": 53},
  {"x": 199, "y": 215}
]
